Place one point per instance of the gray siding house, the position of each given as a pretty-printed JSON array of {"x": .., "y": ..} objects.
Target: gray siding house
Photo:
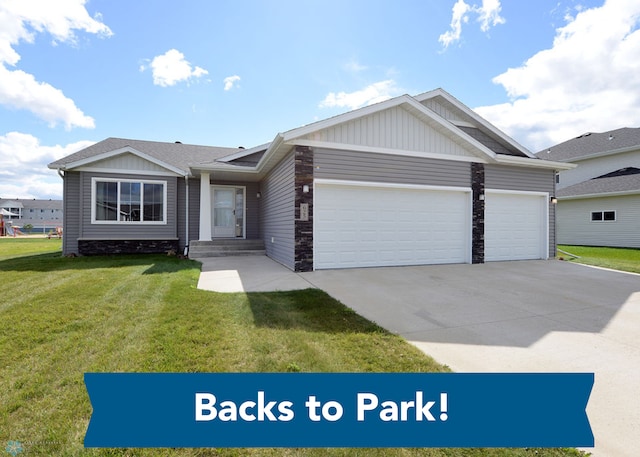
[
  {"x": 408, "y": 181},
  {"x": 599, "y": 201}
]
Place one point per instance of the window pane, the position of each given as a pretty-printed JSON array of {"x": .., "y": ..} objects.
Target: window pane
[
  {"x": 609, "y": 215},
  {"x": 129, "y": 201},
  {"x": 153, "y": 202},
  {"x": 596, "y": 216},
  {"x": 106, "y": 201}
]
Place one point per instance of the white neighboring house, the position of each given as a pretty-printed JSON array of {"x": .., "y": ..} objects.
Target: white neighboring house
[
  {"x": 599, "y": 201},
  {"x": 43, "y": 215}
]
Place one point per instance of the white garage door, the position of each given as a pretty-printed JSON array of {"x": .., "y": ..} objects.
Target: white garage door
[
  {"x": 367, "y": 226},
  {"x": 516, "y": 226}
]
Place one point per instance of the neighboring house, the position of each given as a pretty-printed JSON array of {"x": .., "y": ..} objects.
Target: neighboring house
[
  {"x": 599, "y": 201},
  {"x": 408, "y": 181},
  {"x": 43, "y": 215}
]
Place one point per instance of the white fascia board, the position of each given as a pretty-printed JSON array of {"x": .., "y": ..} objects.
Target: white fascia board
[
  {"x": 602, "y": 195},
  {"x": 480, "y": 120},
  {"x": 244, "y": 153},
  {"x": 535, "y": 163},
  {"x": 378, "y": 150},
  {"x": 117, "y": 152},
  {"x": 221, "y": 166}
]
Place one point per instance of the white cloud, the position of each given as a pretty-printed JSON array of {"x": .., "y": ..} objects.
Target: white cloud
[
  {"x": 171, "y": 68},
  {"x": 230, "y": 82},
  {"x": 21, "y": 20},
  {"x": 589, "y": 80},
  {"x": 460, "y": 15},
  {"x": 374, "y": 93},
  {"x": 21, "y": 90},
  {"x": 488, "y": 16},
  {"x": 23, "y": 166}
]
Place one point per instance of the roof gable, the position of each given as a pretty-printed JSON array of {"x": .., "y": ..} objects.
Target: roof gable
[
  {"x": 399, "y": 124},
  {"x": 174, "y": 157},
  {"x": 395, "y": 128},
  {"x": 454, "y": 111}
]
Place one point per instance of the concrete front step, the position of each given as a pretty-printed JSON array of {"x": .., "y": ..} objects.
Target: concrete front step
[{"x": 226, "y": 247}]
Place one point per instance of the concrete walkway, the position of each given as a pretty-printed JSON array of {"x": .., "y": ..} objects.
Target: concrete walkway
[
  {"x": 528, "y": 316},
  {"x": 247, "y": 274}
]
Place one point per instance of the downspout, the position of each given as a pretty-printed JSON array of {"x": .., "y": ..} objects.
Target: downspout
[{"x": 186, "y": 220}]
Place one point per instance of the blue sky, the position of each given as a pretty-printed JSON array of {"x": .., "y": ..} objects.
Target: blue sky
[{"x": 235, "y": 73}]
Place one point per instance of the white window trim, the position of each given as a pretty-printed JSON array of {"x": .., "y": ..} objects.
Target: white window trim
[
  {"x": 95, "y": 180},
  {"x": 615, "y": 216}
]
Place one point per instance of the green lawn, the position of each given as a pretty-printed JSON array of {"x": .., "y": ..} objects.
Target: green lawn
[
  {"x": 62, "y": 317},
  {"x": 616, "y": 258}
]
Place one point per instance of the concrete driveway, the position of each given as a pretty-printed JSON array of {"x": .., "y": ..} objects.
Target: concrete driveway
[{"x": 527, "y": 316}]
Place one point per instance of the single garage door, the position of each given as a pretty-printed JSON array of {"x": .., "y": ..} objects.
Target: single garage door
[
  {"x": 369, "y": 226},
  {"x": 516, "y": 226}
]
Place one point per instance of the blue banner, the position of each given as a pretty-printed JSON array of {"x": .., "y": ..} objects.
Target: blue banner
[{"x": 339, "y": 410}]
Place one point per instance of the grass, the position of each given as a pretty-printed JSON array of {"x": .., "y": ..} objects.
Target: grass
[
  {"x": 625, "y": 259},
  {"x": 63, "y": 317},
  {"x": 23, "y": 246}
]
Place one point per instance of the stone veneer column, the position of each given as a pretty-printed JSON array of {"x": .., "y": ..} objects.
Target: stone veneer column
[
  {"x": 477, "y": 190},
  {"x": 303, "y": 228}
]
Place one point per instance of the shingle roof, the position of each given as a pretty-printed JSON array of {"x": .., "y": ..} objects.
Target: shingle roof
[
  {"x": 177, "y": 155},
  {"x": 624, "y": 180},
  {"x": 592, "y": 143}
]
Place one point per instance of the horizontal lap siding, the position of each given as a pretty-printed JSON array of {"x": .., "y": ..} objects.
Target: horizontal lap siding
[
  {"x": 525, "y": 179},
  {"x": 575, "y": 225},
  {"x": 72, "y": 211},
  {"x": 277, "y": 212},
  {"x": 125, "y": 231},
  {"x": 387, "y": 168},
  {"x": 194, "y": 210}
]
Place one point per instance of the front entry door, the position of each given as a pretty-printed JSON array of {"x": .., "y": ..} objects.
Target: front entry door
[{"x": 228, "y": 212}]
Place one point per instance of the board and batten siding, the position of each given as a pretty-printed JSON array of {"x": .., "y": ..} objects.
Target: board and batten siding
[
  {"x": 388, "y": 168},
  {"x": 444, "y": 109},
  {"x": 394, "y": 129},
  {"x": 72, "y": 211},
  {"x": 575, "y": 225},
  {"x": 114, "y": 231},
  {"x": 277, "y": 212},
  {"x": 500, "y": 177},
  {"x": 129, "y": 162}
]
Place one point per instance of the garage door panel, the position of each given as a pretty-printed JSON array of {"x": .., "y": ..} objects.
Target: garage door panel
[
  {"x": 515, "y": 226},
  {"x": 378, "y": 226}
]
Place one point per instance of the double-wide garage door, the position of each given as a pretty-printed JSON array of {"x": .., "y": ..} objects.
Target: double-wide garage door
[{"x": 365, "y": 225}]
